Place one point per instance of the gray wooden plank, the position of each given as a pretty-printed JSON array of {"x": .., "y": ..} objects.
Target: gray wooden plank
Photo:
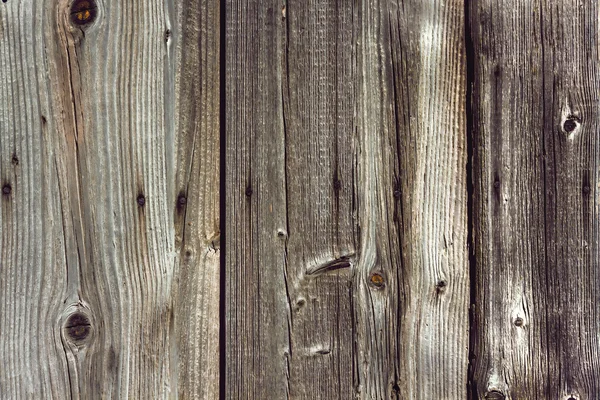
[
  {"x": 412, "y": 285},
  {"x": 93, "y": 250},
  {"x": 535, "y": 103}
]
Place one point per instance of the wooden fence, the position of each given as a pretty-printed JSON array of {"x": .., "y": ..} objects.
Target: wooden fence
[{"x": 406, "y": 192}]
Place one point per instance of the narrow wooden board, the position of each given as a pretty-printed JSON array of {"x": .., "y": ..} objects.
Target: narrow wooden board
[
  {"x": 102, "y": 127},
  {"x": 412, "y": 201},
  {"x": 290, "y": 232},
  {"x": 536, "y": 114}
]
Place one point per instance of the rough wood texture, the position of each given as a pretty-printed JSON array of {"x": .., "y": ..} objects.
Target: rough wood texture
[
  {"x": 290, "y": 193},
  {"x": 412, "y": 199},
  {"x": 346, "y": 158},
  {"x": 535, "y": 131},
  {"x": 108, "y": 283}
]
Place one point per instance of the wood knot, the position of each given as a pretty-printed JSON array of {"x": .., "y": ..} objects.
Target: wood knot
[
  {"x": 181, "y": 202},
  {"x": 78, "y": 327},
  {"x": 83, "y": 12},
  {"x": 519, "y": 321},
  {"x": 440, "y": 287},
  {"x": 15, "y": 160},
  {"x": 249, "y": 191},
  {"x": 377, "y": 280},
  {"x": 6, "y": 189},
  {"x": 495, "y": 395},
  {"x": 571, "y": 123},
  {"x": 141, "y": 200}
]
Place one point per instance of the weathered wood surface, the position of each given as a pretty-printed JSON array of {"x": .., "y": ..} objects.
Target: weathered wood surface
[
  {"x": 290, "y": 232},
  {"x": 346, "y": 245},
  {"x": 109, "y": 259},
  {"x": 535, "y": 140},
  {"x": 346, "y": 142}
]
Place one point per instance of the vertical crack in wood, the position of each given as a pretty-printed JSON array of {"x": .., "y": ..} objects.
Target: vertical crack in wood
[
  {"x": 545, "y": 178},
  {"x": 285, "y": 95},
  {"x": 470, "y": 82},
  {"x": 222, "y": 201}
]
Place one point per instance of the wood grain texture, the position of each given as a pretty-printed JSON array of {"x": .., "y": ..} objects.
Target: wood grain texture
[
  {"x": 104, "y": 292},
  {"x": 346, "y": 157},
  {"x": 290, "y": 237},
  {"x": 412, "y": 199},
  {"x": 536, "y": 116}
]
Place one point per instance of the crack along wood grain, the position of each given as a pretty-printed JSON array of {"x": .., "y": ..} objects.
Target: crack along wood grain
[
  {"x": 90, "y": 146},
  {"x": 535, "y": 101}
]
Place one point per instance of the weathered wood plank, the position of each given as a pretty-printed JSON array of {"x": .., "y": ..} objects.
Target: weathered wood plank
[
  {"x": 196, "y": 295},
  {"x": 290, "y": 237},
  {"x": 102, "y": 126},
  {"x": 536, "y": 116},
  {"x": 412, "y": 197},
  {"x": 346, "y": 159}
]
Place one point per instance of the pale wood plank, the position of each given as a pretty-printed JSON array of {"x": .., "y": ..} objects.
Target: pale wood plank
[
  {"x": 412, "y": 277},
  {"x": 99, "y": 298}
]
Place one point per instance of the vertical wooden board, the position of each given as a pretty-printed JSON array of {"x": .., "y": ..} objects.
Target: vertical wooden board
[
  {"x": 535, "y": 103},
  {"x": 90, "y": 146},
  {"x": 33, "y": 278},
  {"x": 290, "y": 169},
  {"x": 412, "y": 276},
  {"x": 318, "y": 93},
  {"x": 195, "y": 78},
  {"x": 256, "y": 305}
]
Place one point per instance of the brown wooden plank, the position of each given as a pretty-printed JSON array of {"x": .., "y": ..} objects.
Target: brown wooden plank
[
  {"x": 98, "y": 298},
  {"x": 536, "y": 115},
  {"x": 290, "y": 234}
]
